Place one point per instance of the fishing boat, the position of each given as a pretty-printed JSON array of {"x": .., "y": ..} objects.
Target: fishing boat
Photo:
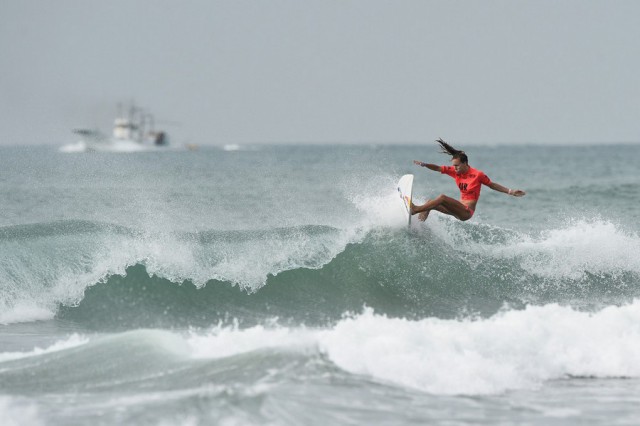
[{"x": 132, "y": 132}]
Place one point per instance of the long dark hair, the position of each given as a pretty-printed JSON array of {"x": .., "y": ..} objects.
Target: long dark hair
[{"x": 454, "y": 153}]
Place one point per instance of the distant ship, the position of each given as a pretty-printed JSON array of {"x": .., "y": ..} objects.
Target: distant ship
[{"x": 132, "y": 133}]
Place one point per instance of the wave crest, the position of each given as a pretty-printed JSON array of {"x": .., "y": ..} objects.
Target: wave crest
[{"x": 86, "y": 271}]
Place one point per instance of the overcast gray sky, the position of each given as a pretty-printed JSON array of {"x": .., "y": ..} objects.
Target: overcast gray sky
[{"x": 325, "y": 71}]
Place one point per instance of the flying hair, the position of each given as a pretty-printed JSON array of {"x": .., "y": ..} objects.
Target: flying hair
[{"x": 454, "y": 153}]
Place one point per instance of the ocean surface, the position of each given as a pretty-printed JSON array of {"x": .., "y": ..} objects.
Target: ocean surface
[{"x": 280, "y": 285}]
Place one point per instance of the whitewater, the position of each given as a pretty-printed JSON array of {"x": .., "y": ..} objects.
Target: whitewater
[{"x": 280, "y": 285}]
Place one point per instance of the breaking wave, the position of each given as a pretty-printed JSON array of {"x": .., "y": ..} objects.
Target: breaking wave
[{"x": 112, "y": 276}]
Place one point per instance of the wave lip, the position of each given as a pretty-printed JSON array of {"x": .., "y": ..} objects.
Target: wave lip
[
  {"x": 222, "y": 342},
  {"x": 70, "y": 342},
  {"x": 52, "y": 264}
]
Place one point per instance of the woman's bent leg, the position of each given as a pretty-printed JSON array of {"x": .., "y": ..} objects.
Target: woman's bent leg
[{"x": 446, "y": 205}]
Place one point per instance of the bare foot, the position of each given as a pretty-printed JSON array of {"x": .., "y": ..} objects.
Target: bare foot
[{"x": 423, "y": 215}]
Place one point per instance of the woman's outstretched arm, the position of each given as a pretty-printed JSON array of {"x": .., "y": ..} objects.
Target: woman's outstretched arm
[
  {"x": 515, "y": 192},
  {"x": 433, "y": 167}
]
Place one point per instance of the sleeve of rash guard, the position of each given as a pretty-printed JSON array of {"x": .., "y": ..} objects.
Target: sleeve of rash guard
[
  {"x": 448, "y": 170},
  {"x": 485, "y": 180}
]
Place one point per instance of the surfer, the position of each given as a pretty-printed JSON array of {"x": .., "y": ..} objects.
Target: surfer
[{"x": 468, "y": 179}]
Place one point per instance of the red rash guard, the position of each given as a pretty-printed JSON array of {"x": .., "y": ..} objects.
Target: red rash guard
[{"x": 469, "y": 182}]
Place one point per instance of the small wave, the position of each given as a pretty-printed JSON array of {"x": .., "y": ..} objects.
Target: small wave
[
  {"x": 511, "y": 350},
  {"x": 60, "y": 228},
  {"x": 97, "y": 361},
  {"x": 227, "y": 341},
  {"x": 71, "y": 342}
]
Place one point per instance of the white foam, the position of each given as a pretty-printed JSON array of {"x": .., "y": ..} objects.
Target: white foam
[
  {"x": 73, "y": 147},
  {"x": 70, "y": 342},
  {"x": 23, "y": 311},
  {"x": 579, "y": 248},
  {"x": 511, "y": 350},
  {"x": 231, "y": 147},
  {"x": 595, "y": 246},
  {"x": 19, "y": 412}
]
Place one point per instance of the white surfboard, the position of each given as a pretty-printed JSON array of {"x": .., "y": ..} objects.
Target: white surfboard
[{"x": 405, "y": 189}]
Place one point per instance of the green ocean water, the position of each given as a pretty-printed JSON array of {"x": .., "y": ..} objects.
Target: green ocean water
[{"x": 279, "y": 285}]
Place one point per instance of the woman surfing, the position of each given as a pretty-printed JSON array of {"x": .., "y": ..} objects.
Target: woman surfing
[{"x": 469, "y": 181}]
